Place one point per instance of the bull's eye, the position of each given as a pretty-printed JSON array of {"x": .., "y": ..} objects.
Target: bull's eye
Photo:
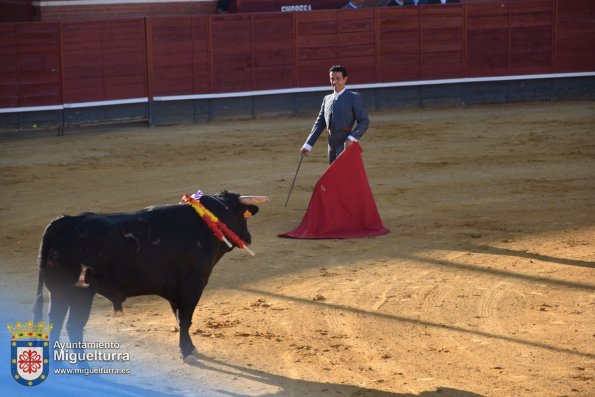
[{"x": 247, "y": 214}]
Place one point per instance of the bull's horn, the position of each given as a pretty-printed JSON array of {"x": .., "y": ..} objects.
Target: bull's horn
[{"x": 253, "y": 200}]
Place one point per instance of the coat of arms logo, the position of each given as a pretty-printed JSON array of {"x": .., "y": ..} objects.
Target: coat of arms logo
[{"x": 30, "y": 352}]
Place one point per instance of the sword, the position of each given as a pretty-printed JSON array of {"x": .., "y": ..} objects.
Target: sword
[{"x": 295, "y": 176}]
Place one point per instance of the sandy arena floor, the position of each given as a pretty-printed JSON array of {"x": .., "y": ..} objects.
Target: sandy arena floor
[{"x": 484, "y": 287}]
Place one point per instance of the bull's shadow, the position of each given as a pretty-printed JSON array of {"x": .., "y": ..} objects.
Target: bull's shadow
[{"x": 299, "y": 387}]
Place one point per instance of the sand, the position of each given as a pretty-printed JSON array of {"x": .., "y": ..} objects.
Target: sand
[{"x": 484, "y": 286}]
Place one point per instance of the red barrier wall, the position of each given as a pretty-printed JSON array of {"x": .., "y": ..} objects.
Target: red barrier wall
[
  {"x": 273, "y": 51},
  {"x": 399, "y": 45},
  {"x": 178, "y": 50},
  {"x": 357, "y": 45},
  {"x": 73, "y": 62},
  {"x": 103, "y": 60},
  {"x": 30, "y": 70},
  {"x": 316, "y": 47},
  {"x": 575, "y": 29},
  {"x": 231, "y": 53},
  {"x": 441, "y": 42},
  {"x": 531, "y": 38},
  {"x": 514, "y": 39},
  {"x": 16, "y": 10}
]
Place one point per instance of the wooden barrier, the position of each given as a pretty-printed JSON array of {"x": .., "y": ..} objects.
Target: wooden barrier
[
  {"x": 46, "y": 64},
  {"x": 574, "y": 47},
  {"x": 231, "y": 53},
  {"x": 16, "y": 10},
  {"x": 272, "y": 51},
  {"x": 357, "y": 44},
  {"x": 103, "y": 60},
  {"x": 178, "y": 53},
  {"x": 316, "y": 47},
  {"x": 30, "y": 70},
  {"x": 399, "y": 44},
  {"x": 531, "y": 37},
  {"x": 441, "y": 42}
]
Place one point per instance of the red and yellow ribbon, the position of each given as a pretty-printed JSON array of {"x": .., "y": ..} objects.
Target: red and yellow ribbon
[{"x": 219, "y": 229}]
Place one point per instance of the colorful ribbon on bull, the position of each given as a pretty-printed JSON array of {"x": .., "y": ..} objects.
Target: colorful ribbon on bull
[{"x": 218, "y": 228}]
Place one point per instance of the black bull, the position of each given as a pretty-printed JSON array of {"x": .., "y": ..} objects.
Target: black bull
[{"x": 167, "y": 251}]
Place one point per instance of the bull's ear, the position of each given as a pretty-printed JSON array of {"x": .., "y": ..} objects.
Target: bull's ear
[{"x": 253, "y": 200}]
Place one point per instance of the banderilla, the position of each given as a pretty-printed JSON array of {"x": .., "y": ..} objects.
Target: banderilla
[{"x": 294, "y": 177}]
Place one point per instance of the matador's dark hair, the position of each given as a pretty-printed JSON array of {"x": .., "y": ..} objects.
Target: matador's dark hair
[{"x": 339, "y": 68}]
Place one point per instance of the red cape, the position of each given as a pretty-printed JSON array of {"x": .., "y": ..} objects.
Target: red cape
[{"x": 342, "y": 204}]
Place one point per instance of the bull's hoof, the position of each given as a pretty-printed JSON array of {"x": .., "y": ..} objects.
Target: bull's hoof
[
  {"x": 118, "y": 313},
  {"x": 190, "y": 360}
]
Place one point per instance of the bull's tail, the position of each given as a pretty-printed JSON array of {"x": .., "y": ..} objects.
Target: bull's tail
[{"x": 38, "y": 305}]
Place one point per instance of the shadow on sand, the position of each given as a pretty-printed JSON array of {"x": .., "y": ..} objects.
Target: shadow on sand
[
  {"x": 423, "y": 323},
  {"x": 300, "y": 387}
]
